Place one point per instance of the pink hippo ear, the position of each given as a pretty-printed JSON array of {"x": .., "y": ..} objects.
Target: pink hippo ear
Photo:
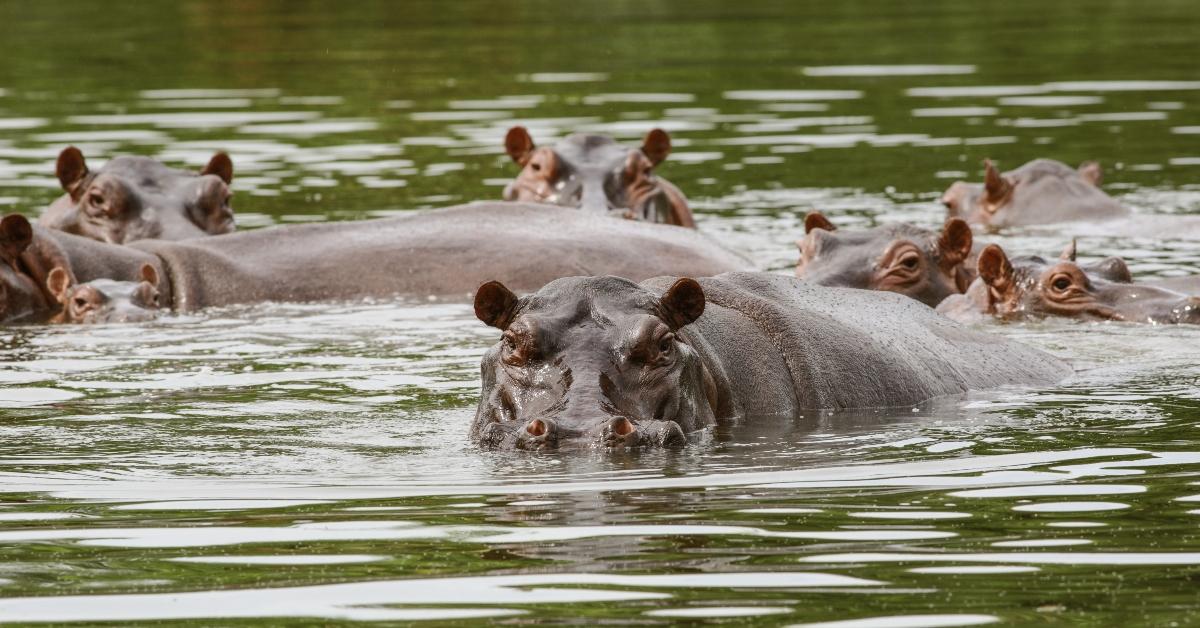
[
  {"x": 220, "y": 165},
  {"x": 994, "y": 268},
  {"x": 1069, "y": 252},
  {"x": 656, "y": 146},
  {"x": 71, "y": 171},
  {"x": 996, "y": 187},
  {"x": 495, "y": 304},
  {"x": 682, "y": 303},
  {"x": 519, "y": 144},
  {"x": 955, "y": 242},
  {"x": 16, "y": 235},
  {"x": 1092, "y": 171},
  {"x": 149, "y": 274},
  {"x": 817, "y": 220},
  {"x": 59, "y": 282}
]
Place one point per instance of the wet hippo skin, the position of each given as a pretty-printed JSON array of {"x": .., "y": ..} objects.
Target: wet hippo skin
[
  {"x": 444, "y": 252},
  {"x": 1042, "y": 191},
  {"x": 602, "y": 361}
]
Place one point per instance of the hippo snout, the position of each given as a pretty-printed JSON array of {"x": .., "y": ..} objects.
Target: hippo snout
[{"x": 1187, "y": 311}]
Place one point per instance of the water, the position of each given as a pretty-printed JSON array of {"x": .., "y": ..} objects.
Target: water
[{"x": 309, "y": 464}]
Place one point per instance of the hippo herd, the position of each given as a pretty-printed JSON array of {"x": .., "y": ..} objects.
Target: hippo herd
[{"x": 635, "y": 329}]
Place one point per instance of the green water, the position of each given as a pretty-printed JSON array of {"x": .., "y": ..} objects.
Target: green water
[{"x": 304, "y": 464}]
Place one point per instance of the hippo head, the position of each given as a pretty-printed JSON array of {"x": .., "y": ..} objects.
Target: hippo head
[
  {"x": 1026, "y": 287},
  {"x": 925, "y": 265},
  {"x": 592, "y": 361},
  {"x": 595, "y": 173},
  {"x": 21, "y": 295},
  {"x": 104, "y": 300},
  {"x": 134, "y": 198},
  {"x": 1041, "y": 191}
]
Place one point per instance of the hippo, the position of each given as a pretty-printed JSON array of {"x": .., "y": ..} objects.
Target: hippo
[
  {"x": 37, "y": 284},
  {"x": 135, "y": 198},
  {"x": 1030, "y": 287},
  {"x": 596, "y": 174},
  {"x": 1042, "y": 191},
  {"x": 606, "y": 362},
  {"x": 919, "y": 263},
  {"x": 445, "y": 253}
]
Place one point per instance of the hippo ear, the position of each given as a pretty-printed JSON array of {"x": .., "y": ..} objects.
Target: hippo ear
[
  {"x": 519, "y": 144},
  {"x": 817, "y": 220},
  {"x": 1069, "y": 252},
  {"x": 682, "y": 303},
  {"x": 1092, "y": 171},
  {"x": 495, "y": 304},
  {"x": 220, "y": 165},
  {"x": 16, "y": 235},
  {"x": 955, "y": 242},
  {"x": 149, "y": 274},
  {"x": 656, "y": 145},
  {"x": 71, "y": 171},
  {"x": 996, "y": 187},
  {"x": 994, "y": 268},
  {"x": 59, "y": 282}
]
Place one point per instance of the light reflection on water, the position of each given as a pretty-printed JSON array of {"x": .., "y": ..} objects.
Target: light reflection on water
[{"x": 311, "y": 461}]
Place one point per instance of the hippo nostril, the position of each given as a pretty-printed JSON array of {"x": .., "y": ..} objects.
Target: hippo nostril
[
  {"x": 536, "y": 427},
  {"x": 622, "y": 426}
]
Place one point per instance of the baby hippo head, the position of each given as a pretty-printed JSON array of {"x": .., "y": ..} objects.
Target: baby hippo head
[
  {"x": 134, "y": 198},
  {"x": 105, "y": 300},
  {"x": 1040, "y": 191},
  {"x": 919, "y": 263},
  {"x": 1031, "y": 287},
  {"x": 594, "y": 362},
  {"x": 595, "y": 173}
]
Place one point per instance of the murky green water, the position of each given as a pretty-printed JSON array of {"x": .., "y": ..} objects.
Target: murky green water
[{"x": 309, "y": 464}]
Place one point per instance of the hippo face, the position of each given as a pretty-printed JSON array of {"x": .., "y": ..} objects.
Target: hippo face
[
  {"x": 1041, "y": 191},
  {"x": 591, "y": 361},
  {"x": 1029, "y": 287},
  {"x": 594, "y": 173},
  {"x": 922, "y": 264},
  {"x": 20, "y": 295},
  {"x": 105, "y": 300},
  {"x": 134, "y": 198}
]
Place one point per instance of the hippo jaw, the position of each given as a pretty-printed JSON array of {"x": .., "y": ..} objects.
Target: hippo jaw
[
  {"x": 588, "y": 371},
  {"x": 595, "y": 174}
]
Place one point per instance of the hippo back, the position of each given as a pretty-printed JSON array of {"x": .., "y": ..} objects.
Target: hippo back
[{"x": 845, "y": 348}]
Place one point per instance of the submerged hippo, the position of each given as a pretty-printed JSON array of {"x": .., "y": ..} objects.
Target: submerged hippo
[
  {"x": 595, "y": 173},
  {"x": 37, "y": 284},
  {"x": 1042, "y": 191},
  {"x": 446, "y": 252},
  {"x": 603, "y": 361},
  {"x": 135, "y": 198},
  {"x": 1031, "y": 287},
  {"x": 919, "y": 263}
]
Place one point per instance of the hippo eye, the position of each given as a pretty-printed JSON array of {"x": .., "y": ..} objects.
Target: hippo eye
[
  {"x": 80, "y": 303},
  {"x": 535, "y": 166},
  {"x": 95, "y": 199},
  {"x": 1061, "y": 284},
  {"x": 910, "y": 262}
]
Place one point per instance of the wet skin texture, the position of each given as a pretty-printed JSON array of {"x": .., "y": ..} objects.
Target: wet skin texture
[
  {"x": 605, "y": 362},
  {"x": 1042, "y": 191},
  {"x": 1030, "y": 287},
  {"x": 919, "y": 263},
  {"x": 135, "y": 198},
  {"x": 596, "y": 174},
  {"x": 446, "y": 253}
]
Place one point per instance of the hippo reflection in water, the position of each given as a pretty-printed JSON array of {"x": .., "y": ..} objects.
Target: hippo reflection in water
[
  {"x": 135, "y": 198},
  {"x": 595, "y": 173},
  {"x": 1031, "y": 287},
  {"x": 919, "y": 263},
  {"x": 602, "y": 361},
  {"x": 1042, "y": 191}
]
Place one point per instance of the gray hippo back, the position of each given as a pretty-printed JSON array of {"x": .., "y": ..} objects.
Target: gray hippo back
[{"x": 602, "y": 361}]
